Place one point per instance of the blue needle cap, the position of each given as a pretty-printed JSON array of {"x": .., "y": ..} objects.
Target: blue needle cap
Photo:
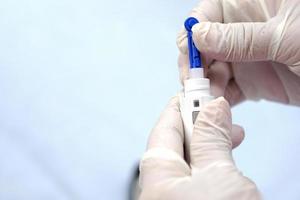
[{"x": 194, "y": 54}]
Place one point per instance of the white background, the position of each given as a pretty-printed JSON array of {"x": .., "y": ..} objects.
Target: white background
[{"x": 83, "y": 82}]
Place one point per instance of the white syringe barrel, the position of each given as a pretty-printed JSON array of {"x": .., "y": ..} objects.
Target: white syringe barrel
[{"x": 196, "y": 94}]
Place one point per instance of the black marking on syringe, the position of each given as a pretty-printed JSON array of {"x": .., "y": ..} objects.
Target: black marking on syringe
[
  {"x": 196, "y": 103},
  {"x": 195, "y": 114}
]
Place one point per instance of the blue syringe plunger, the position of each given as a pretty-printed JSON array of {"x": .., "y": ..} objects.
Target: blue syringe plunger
[{"x": 194, "y": 54}]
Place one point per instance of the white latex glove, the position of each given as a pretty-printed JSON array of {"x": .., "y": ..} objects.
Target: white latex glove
[
  {"x": 212, "y": 174},
  {"x": 257, "y": 40}
]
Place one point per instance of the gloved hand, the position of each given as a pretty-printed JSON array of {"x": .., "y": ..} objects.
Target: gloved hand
[
  {"x": 212, "y": 174},
  {"x": 256, "y": 40}
]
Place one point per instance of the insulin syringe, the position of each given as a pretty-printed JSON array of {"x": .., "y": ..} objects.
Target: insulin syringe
[{"x": 196, "y": 88}]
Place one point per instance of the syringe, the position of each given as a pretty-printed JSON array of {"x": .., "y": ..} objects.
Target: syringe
[{"x": 196, "y": 88}]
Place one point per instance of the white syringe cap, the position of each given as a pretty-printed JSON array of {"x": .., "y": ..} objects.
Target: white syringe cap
[
  {"x": 201, "y": 84},
  {"x": 196, "y": 72}
]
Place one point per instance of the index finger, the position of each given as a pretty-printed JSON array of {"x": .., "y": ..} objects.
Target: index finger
[{"x": 208, "y": 10}]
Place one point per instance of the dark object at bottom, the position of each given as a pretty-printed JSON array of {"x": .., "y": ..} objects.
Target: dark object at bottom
[{"x": 133, "y": 184}]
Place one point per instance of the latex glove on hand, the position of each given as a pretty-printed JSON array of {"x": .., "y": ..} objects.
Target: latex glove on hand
[
  {"x": 212, "y": 174},
  {"x": 257, "y": 44}
]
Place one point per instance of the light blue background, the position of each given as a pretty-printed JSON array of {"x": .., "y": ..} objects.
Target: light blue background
[{"x": 83, "y": 82}]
